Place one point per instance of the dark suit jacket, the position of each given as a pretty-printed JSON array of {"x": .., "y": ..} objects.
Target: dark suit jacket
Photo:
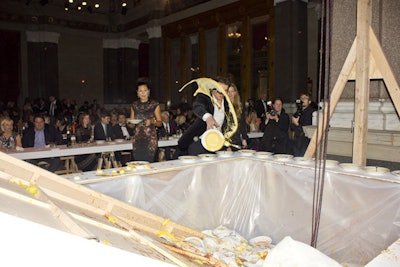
[
  {"x": 99, "y": 133},
  {"x": 241, "y": 132},
  {"x": 259, "y": 107},
  {"x": 117, "y": 131},
  {"x": 172, "y": 129},
  {"x": 201, "y": 106},
  {"x": 51, "y": 135}
]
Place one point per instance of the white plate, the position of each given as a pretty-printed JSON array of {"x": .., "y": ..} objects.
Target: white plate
[
  {"x": 207, "y": 157},
  {"x": 134, "y": 121},
  {"x": 212, "y": 140},
  {"x": 375, "y": 170},
  {"x": 283, "y": 157},
  {"x": 350, "y": 166},
  {"x": 303, "y": 160},
  {"x": 138, "y": 164},
  {"x": 188, "y": 159},
  {"x": 247, "y": 152},
  {"x": 263, "y": 154},
  {"x": 225, "y": 154}
]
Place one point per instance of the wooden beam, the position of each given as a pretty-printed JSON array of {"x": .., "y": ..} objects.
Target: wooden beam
[
  {"x": 335, "y": 96},
  {"x": 364, "y": 14}
]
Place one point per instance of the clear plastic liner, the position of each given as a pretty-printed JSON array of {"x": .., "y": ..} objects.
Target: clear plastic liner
[{"x": 360, "y": 214}]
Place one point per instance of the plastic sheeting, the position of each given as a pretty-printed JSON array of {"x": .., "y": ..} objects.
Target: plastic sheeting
[{"x": 360, "y": 214}]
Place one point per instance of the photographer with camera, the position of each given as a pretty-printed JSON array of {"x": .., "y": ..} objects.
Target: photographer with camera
[
  {"x": 276, "y": 135},
  {"x": 302, "y": 117}
]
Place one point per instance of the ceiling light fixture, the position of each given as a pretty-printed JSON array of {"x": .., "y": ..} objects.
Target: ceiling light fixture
[
  {"x": 79, "y": 7},
  {"x": 84, "y": 3},
  {"x": 66, "y": 6},
  {"x": 97, "y": 5},
  {"x": 71, "y": 1}
]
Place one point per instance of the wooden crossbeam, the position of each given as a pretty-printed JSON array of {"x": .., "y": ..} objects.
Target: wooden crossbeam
[{"x": 365, "y": 60}]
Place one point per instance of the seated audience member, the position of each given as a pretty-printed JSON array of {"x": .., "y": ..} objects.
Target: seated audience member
[
  {"x": 168, "y": 127},
  {"x": 181, "y": 124},
  {"x": 122, "y": 130},
  {"x": 41, "y": 135},
  {"x": 102, "y": 128},
  {"x": 253, "y": 122},
  {"x": 276, "y": 133},
  {"x": 9, "y": 139},
  {"x": 83, "y": 133},
  {"x": 61, "y": 124}
]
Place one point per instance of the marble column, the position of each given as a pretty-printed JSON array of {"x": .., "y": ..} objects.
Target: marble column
[
  {"x": 156, "y": 63},
  {"x": 290, "y": 49},
  {"x": 121, "y": 58},
  {"x": 42, "y": 64}
]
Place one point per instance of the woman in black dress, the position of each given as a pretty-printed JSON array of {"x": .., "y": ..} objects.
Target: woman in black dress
[
  {"x": 83, "y": 133},
  {"x": 144, "y": 141}
]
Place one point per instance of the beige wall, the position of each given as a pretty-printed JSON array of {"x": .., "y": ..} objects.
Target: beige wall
[
  {"x": 81, "y": 58},
  {"x": 385, "y": 23}
]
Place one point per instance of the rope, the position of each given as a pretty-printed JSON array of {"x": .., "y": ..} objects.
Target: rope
[{"x": 323, "y": 88}]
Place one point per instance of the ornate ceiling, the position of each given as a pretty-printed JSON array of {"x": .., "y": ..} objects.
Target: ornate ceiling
[{"x": 93, "y": 15}]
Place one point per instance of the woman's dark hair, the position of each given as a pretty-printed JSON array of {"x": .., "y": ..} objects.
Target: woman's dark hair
[{"x": 143, "y": 81}]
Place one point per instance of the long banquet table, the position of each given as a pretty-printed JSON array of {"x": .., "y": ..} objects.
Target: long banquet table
[{"x": 79, "y": 149}]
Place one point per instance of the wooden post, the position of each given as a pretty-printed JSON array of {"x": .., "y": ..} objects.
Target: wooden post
[
  {"x": 335, "y": 96},
  {"x": 364, "y": 12}
]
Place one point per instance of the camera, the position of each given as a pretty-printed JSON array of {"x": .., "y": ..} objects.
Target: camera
[
  {"x": 270, "y": 109},
  {"x": 299, "y": 106}
]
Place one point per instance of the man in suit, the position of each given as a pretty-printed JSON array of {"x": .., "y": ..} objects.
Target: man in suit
[
  {"x": 261, "y": 108},
  {"x": 167, "y": 129},
  {"x": 121, "y": 130},
  {"x": 102, "y": 129},
  {"x": 41, "y": 135},
  {"x": 54, "y": 108},
  {"x": 210, "y": 113}
]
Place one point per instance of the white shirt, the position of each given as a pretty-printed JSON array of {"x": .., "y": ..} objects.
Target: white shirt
[
  {"x": 125, "y": 131},
  {"x": 219, "y": 114},
  {"x": 166, "y": 127}
]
